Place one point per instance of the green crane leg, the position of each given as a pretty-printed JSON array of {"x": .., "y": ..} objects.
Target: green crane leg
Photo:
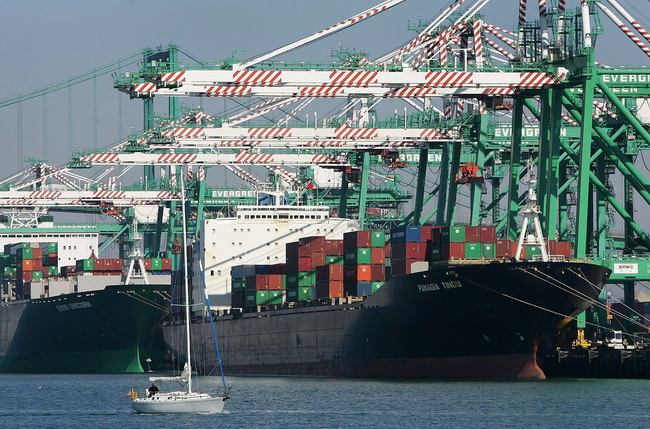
[
  {"x": 553, "y": 174},
  {"x": 444, "y": 181},
  {"x": 476, "y": 188},
  {"x": 364, "y": 189},
  {"x": 515, "y": 160},
  {"x": 173, "y": 67},
  {"x": 584, "y": 170},
  {"x": 625, "y": 112},
  {"x": 614, "y": 153},
  {"x": 419, "y": 190},
  {"x": 453, "y": 188},
  {"x": 601, "y": 204},
  {"x": 610, "y": 198}
]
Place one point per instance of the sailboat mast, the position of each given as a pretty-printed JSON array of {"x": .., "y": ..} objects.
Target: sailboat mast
[{"x": 187, "y": 288}]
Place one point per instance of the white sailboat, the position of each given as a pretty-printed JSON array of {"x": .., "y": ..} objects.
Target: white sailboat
[{"x": 184, "y": 401}]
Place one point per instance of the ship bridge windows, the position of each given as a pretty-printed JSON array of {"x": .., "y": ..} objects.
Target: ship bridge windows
[{"x": 211, "y": 273}]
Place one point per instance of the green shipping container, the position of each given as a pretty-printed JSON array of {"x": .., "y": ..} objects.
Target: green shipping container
[
  {"x": 334, "y": 260},
  {"x": 27, "y": 253},
  {"x": 300, "y": 294},
  {"x": 472, "y": 250},
  {"x": 376, "y": 285},
  {"x": 238, "y": 285},
  {"x": 256, "y": 297},
  {"x": 53, "y": 247},
  {"x": 358, "y": 256},
  {"x": 488, "y": 250},
  {"x": 156, "y": 264},
  {"x": 378, "y": 239},
  {"x": 275, "y": 297},
  {"x": 532, "y": 251},
  {"x": 53, "y": 270},
  {"x": 303, "y": 278},
  {"x": 435, "y": 252},
  {"x": 6, "y": 271},
  {"x": 37, "y": 276},
  {"x": 25, "y": 245},
  {"x": 457, "y": 234},
  {"x": 88, "y": 264}
]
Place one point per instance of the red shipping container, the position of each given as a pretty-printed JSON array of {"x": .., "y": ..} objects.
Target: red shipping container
[
  {"x": 425, "y": 233},
  {"x": 37, "y": 253},
  {"x": 377, "y": 273},
  {"x": 316, "y": 244},
  {"x": 304, "y": 264},
  {"x": 27, "y": 276},
  {"x": 53, "y": 259},
  {"x": 377, "y": 256},
  {"x": 503, "y": 249},
  {"x": 357, "y": 239},
  {"x": 551, "y": 247},
  {"x": 563, "y": 248},
  {"x": 147, "y": 264},
  {"x": 118, "y": 264},
  {"x": 513, "y": 250},
  {"x": 488, "y": 234},
  {"x": 297, "y": 249},
  {"x": 409, "y": 250},
  {"x": 387, "y": 249},
  {"x": 317, "y": 259},
  {"x": 332, "y": 289},
  {"x": 329, "y": 272},
  {"x": 37, "y": 264},
  {"x": 333, "y": 247},
  {"x": 166, "y": 264},
  {"x": 472, "y": 234},
  {"x": 274, "y": 281},
  {"x": 452, "y": 250},
  {"x": 277, "y": 269}
]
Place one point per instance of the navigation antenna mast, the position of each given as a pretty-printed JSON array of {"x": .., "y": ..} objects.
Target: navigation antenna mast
[{"x": 531, "y": 217}]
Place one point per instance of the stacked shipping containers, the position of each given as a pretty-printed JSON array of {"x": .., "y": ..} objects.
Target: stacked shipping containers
[
  {"x": 408, "y": 245},
  {"x": 364, "y": 263}
]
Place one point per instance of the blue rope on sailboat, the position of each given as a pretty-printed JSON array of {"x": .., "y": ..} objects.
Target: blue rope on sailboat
[{"x": 207, "y": 298}]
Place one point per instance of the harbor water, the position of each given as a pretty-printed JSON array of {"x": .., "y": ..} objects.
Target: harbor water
[{"x": 83, "y": 401}]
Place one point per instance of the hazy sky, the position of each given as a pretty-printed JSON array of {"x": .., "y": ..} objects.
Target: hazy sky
[{"x": 44, "y": 42}]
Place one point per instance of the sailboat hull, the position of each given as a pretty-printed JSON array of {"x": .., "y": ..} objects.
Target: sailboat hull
[{"x": 179, "y": 403}]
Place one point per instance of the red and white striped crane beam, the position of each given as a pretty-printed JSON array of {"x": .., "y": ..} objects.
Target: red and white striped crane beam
[
  {"x": 58, "y": 198},
  {"x": 355, "y": 19},
  {"x": 630, "y": 19},
  {"x": 499, "y": 48},
  {"x": 624, "y": 28},
  {"x": 294, "y": 112},
  {"x": 360, "y": 83},
  {"x": 250, "y": 180}
]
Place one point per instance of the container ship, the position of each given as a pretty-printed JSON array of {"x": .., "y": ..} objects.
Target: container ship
[
  {"x": 432, "y": 302},
  {"x": 80, "y": 318}
]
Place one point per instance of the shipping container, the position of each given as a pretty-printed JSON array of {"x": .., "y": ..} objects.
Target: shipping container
[
  {"x": 472, "y": 234},
  {"x": 257, "y": 297},
  {"x": 238, "y": 285},
  {"x": 329, "y": 272},
  {"x": 531, "y": 252},
  {"x": 402, "y": 266},
  {"x": 405, "y": 234},
  {"x": 378, "y": 239},
  {"x": 488, "y": 234},
  {"x": 375, "y": 286},
  {"x": 300, "y": 294},
  {"x": 452, "y": 251},
  {"x": 156, "y": 264},
  {"x": 409, "y": 250},
  {"x": 436, "y": 232},
  {"x": 333, "y": 247},
  {"x": 358, "y": 256},
  {"x": 457, "y": 234},
  {"x": 503, "y": 249},
  {"x": 357, "y": 273},
  {"x": 377, "y": 256},
  {"x": 436, "y": 254},
  {"x": 472, "y": 250},
  {"x": 317, "y": 259},
  {"x": 513, "y": 250},
  {"x": 301, "y": 279},
  {"x": 334, "y": 259},
  {"x": 488, "y": 250},
  {"x": 329, "y": 289},
  {"x": 563, "y": 248},
  {"x": 357, "y": 239},
  {"x": 377, "y": 273},
  {"x": 166, "y": 264},
  {"x": 237, "y": 299},
  {"x": 297, "y": 249}
]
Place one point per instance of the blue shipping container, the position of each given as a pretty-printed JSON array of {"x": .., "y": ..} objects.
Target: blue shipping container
[{"x": 406, "y": 234}]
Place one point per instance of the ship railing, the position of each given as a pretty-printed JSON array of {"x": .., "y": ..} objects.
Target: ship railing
[{"x": 551, "y": 258}]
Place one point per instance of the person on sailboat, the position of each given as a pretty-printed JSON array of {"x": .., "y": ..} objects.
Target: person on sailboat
[{"x": 153, "y": 390}]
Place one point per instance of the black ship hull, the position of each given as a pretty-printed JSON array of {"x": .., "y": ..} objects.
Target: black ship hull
[
  {"x": 114, "y": 330},
  {"x": 481, "y": 320}
]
